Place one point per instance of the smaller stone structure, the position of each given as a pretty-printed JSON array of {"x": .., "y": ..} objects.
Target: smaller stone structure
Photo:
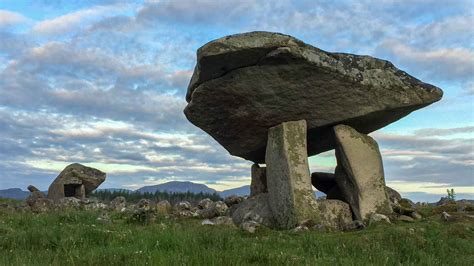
[{"x": 77, "y": 181}]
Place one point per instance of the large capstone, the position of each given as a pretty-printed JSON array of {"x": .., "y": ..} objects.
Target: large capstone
[
  {"x": 289, "y": 185},
  {"x": 76, "y": 180},
  {"x": 359, "y": 173},
  {"x": 245, "y": 84}
]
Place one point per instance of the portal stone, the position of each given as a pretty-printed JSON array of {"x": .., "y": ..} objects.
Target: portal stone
[
  {"x": 359, "y": 174},
  {"x": 289, "y": 185}
]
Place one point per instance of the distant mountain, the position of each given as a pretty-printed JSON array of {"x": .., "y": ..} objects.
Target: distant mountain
[
  {"x": 177, "y": 186},
  {"x": 14, "y": 193},
  {"x": 115, "y": 189},
  {"x": 239, "y": 191}
]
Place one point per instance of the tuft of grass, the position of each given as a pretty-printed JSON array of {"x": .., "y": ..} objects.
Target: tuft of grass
[{"x": 78, "y": 238}]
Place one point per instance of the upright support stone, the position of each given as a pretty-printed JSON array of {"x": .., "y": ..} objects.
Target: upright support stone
[
  {"x": 359, "y": 174},
  {"x": 259, "y": 180},
  {"x": 291, "y": 196}
]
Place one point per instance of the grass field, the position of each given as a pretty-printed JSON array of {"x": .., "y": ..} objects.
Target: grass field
[{"x": 77, "y": 238}]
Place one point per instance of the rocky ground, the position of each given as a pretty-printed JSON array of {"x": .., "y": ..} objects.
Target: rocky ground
[{"x": 93, "y": 233}]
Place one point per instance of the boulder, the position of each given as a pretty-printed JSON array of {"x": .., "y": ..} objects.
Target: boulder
[
  {"x": 163, "y": 207},
  {"x": 377, "y": 217},
  {"x": 34, "y": 196},
  {"x": 250, "y": 226},
  {"x": 290, "y": 192},
  {"x": 393, "y": 195},
  {"x": 335, "y": 214},
  {"x": 405, "y": 218},
  {"x": 118, "y": 204},
  {"x": 359, "y": 173},
  {"x": 205, "y": 203},
  {"x": 221, "y": 208},
  {"x": 259, "y": 180},
  {"x": 144, "y": 205},
  {"x": 42, "y": 205},
  {"x": 223, "y": 220},
  {"x": 75, "y": 180},
  {"x": 255, "y": 209},
  {"x": 233, "y": 200},
  {"x": 69, "y": 203},
  {"x": 244, "y": 84}
]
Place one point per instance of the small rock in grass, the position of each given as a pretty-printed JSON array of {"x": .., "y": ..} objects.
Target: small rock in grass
[
  {"x": 250, "y": 226},
  {"x": 406, "y": 219},
  {"x": 446, "y": 216},
  {"x": 207, "y": 222},
  {"x": 416, "y": 216},
  {"x": 377, "y": 217}
]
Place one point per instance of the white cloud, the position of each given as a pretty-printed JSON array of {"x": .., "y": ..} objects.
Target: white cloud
[
  {"x": 72, "y": 21},
  {"x": 441, "y": 63},
  {"x": 9, "y": 18}
]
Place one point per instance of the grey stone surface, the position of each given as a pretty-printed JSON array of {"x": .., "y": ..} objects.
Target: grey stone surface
[
  {"x": 359, "y": 174},
  {"x": 335, "y": 214},
  {"x": 258, "y": 184},
  {"x": 75, "y": 180},
  {"x": 254, "y": 209},
  {"x": 393, "y": 195},
  {"x": 118, "y": 204},
  {"x": 290, "y": 192},
  {"x": 244, "y": 84}
]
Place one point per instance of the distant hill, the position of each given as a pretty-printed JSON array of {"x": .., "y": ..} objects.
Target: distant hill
[
  {"x": 14, "y": 193},
  {"x": 178, "y": 186},
  {"x": 114, "y": 189},
  {"x": 239, "y": 191}
]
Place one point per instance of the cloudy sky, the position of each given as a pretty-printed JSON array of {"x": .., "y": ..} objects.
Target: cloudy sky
[{"x": 103, "y": 83}]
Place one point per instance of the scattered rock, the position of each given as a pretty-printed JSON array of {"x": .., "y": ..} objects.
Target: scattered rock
[
  {"x": 233, "y": 200},
  {"x": 405, "y": 218},
  {"x": 250, "y": 226},
  {"x": 300, "y": 228},
  {"x": 416, "y": 216},
  {"x": 355, "y": 225},
  {"x": 163, "y": 208},
  {"x": 75, "y": 180},
  {"x": 183, "y": 206},
  {"x": 207, "y": 222},
  {"x": 205, "y": 204},
  {"x": 221, "y": 208},
  {"x": 184, "y": 209},
  {"x": 443, "y": 201},
  {"x": 42, "y": 205},
  {"x": 144, "y": 205},
  {"x": 393, "y": 195},
  {"x": 104, "y": 218},
  {"x": 291, "y": 197},
  {"x": 223, "y": 220},
  {"x": 446, "y": 216},
  {"x": 255, "y": 209},
  {"x": 118, "y": 204},
  {"x": 34, "y": 196},
  {"x": 359, "y": 173},
  {"x": 69, "y": 203},
  {"x": 377, "y": 217},
  {"x": 335, "y": 214}
]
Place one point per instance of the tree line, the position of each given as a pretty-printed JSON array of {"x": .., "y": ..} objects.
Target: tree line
[{"x": 172, "y": 197}]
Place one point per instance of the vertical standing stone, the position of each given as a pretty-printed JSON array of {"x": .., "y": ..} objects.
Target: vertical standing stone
[
  {"x": 359, "y": 174},
  {"x": 290, "y": 192},
  {"x": 259, "y": 180}
]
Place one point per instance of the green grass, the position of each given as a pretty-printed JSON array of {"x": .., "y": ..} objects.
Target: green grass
[{"x": 77, "y": 238}]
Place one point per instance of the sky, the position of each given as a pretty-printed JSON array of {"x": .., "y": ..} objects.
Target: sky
[{"x": 103, "y": 83}]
